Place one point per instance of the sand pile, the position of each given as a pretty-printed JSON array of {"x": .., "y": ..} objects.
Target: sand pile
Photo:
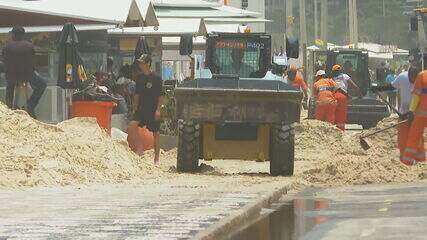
[
  {"x": 73, "y": 152},
  {"x": 311, "y": 138},
  {"x": 339, "y": 160}
]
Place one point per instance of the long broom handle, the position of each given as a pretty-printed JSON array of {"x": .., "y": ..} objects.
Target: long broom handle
[
  {"x": 384, "y": 129},
  {"x": 389, "y": 104}
]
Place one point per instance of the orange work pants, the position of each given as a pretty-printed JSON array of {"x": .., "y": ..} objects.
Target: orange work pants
[
  {"x": 341, "y": 110},
  {"x": 414, "y": 150},
  {"x": 325, "y": 112},
  {"x": 402, "y": 137}
]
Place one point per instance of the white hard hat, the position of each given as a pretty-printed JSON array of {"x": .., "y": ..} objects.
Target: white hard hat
[
  {"x": 103, "y": 88},
  {"x": 320, "y": 73}
]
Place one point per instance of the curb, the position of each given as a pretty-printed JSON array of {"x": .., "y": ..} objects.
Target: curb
[{"x": 229, "y": 224}]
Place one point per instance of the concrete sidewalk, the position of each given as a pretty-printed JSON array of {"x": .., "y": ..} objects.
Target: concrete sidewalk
[{"x": 152, "y": 211}]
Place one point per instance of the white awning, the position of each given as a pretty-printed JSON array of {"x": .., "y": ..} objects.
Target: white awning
[
  {"x": 94, "y": 10},
  {"x": 167, "y": 27},
  {"x": 171, "y": 41},
  {"x": 185, "y": 3},
  {"x": 225, "y": 28},
  {"x": 376, "y": 50},
  {"x": 380, "y": 55},
  {"x": 40, "y": 29},
  {"x": 181, "y": 26},
  {"x": 203, "y": 12},
  {"x": 330, "y": 46},
  {"x": 237, "y": 20}
]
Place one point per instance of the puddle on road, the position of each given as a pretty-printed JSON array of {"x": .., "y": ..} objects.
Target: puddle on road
[{"x": 287, "y": 221}]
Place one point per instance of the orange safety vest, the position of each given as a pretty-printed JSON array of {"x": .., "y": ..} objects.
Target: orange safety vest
[
  {"x": 420, "y": 88},
  {"x": 299, "y": 81},
  {"x": 325, "y": 88}
]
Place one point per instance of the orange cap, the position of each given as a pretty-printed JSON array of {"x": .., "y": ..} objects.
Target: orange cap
[{"x": 336, "y": 67}]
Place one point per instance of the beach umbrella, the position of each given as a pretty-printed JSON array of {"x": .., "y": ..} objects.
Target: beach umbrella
[
  {"x": 71, "y": 72},
  {"x": 141, "y": 48}
]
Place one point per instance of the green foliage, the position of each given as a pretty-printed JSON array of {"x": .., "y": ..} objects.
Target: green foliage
[
  {"x": 169, "y": 124},
  {"x": 384, "y": 24}
]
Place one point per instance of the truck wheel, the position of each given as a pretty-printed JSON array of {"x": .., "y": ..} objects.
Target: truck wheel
[
  {"x": 311, "y": 108},
  {"x": 188, "y": 146},
  {"x": 282, "y": 150}
]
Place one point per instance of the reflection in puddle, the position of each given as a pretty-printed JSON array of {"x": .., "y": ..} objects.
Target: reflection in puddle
[{"x": 290, "y": 220}]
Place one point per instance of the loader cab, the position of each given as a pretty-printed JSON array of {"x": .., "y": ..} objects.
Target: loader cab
[
  {"x": 243, "y": 55},
  {"x": 355, "y": 64}
]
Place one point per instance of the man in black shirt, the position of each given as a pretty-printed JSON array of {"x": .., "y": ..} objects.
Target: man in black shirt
[
  {"x": 18, "y": 56},
  {"x": 147, "y": 103}
]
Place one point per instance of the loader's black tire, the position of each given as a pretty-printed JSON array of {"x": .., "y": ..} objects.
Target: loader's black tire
[
  {"x": 188, "y": 146},
  {"x": 201, "y": 156},
  {"x": 311, "y": 108},
  {"x": 368, "y": 125},
  {"x": 282, "y": 150}
]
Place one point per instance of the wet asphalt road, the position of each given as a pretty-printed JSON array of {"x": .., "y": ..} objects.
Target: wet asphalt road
[
  {"x": 114, "y": 212},
  {"x": 358, "y": 212}
]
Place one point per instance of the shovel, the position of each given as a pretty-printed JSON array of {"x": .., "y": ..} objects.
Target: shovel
[
  {"x": 364, "y": 142},
  {"x": 388, "y": 103}
]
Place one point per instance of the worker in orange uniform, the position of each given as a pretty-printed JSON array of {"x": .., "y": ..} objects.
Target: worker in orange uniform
[
  {"x": 417, "y": 116},
  {"x": 404, "y": 84},
  {"x": 343, "y": 81},
  {"x": 294, "y": 77},
  {"x": 326, "y": 103}
]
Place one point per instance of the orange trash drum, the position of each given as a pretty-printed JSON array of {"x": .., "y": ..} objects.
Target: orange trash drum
[
  {"x": 144, "y": 138},
  {"x": 100, "y": 110}
]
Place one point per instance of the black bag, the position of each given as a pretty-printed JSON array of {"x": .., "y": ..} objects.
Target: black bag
[{"x": 91, "y": 92}]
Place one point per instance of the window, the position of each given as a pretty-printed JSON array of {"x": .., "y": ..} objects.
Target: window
[
  {"x": 349, "y": 62},
  {"x": 242, "y": 58}
]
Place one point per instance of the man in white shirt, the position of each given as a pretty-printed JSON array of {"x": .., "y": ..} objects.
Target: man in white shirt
[
  {"x": 404, "y": 84},
  {"x": 275, "y": 73},
  {"x": 343, "y": 82}
]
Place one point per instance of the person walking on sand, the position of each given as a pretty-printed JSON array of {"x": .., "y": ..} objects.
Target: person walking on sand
[
  {"x": 296, "y": 79},
  {"x": 326, "y": 103},
  {"x": 19, "y": 59},
  {"x": 414, "y": 151},
  {"x": 147, "y": 104},
  {"x": 404, "y": 84},
  {"x": 343, "y": 82}
]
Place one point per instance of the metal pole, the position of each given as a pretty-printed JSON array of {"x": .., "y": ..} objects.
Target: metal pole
[
  {"x": 384, "y": 23},
  {"x": 324, "y": 21},
  {"x": 347, "y": 20},
  {"x": 289, "y": 17},
  {"x": 356, "y": 31},
  {"x": 421, "y": 39},
  {"x": 350, "y": 21},
  {"x": 383, "y": 8},
  {"x": 303, "y": 32},
  {"x": 316, "y": 20},
  {"x": 353, "y": 26}
]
